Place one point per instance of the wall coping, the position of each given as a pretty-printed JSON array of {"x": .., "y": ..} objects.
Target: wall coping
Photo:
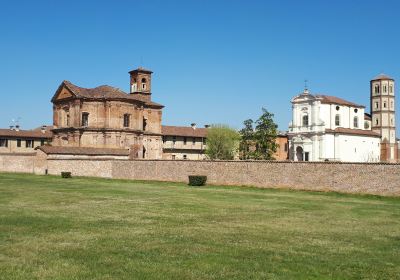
[
  {"x": 18, "y": 154},
  {"x": 233, "y": 161}
]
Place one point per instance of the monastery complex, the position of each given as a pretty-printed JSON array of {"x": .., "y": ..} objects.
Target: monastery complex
[{"x": 105, "y": 122}]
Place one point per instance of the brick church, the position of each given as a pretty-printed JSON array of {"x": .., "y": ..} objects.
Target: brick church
[{"x": 108, "y": 118}]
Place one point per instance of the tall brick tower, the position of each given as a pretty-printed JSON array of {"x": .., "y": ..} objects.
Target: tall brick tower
[
  {"x": 141, "y": 82},
  {"x": 383, "y": 115}
]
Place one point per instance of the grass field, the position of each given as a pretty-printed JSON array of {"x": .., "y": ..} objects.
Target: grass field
[{"x": 84, "y": 228}]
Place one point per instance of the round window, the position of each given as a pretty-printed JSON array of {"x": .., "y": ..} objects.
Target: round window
[
  {"x": 337, "y": 108},
  {"x": 355, "y": 110}
]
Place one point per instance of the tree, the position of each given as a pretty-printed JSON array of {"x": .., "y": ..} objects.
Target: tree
[
  {"x": 222, "y": 142},
  {"x": 247, "y": 140},
  {"x": 259, "y": 142},
  {"x": 265, "y": 136}
]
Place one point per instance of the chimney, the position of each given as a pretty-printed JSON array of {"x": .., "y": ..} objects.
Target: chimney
[
  {"x": 11, "y": 127},
  {"x": 193, "y": 125},
  {"x": 17, "y": 127},
  {"x": 43, "y": 129},
  {"x": 207, "y": 126}
]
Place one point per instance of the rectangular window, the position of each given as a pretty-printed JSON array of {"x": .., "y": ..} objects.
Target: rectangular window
[
  {"x": 163, "y": 139},
  {"x": 174, "y": 139},
  {"x": 184, "y": 156},
  {"x": 286, "y": 147},
  {"x": 127, "y": 120},
  {"x": 355, "y": 122},
  {"x": 204, "y": 141},
  {"x": 29, "y": 143},
  {"x": 306, "y": 156},
  {"x": 85, "y": 119},
  {"x": 194, "y": 141},
  {"x": 384, "y": 104},
  {"x": 42, "y": 142},
  {"x": 184, "y": 140},
  {"x": 337, "y": 120},
  {"x": 173, "y": 157},
  {"x": 19, "y": 143},
  {"x": 4, "y": 143}
]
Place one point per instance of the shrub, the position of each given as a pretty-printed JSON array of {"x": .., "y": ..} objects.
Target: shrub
[
  {"x": 66, "y": 175},
  {"x": 197, "y": 180}
]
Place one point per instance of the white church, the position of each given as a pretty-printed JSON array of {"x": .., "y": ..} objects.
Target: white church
[{"x": 328, "y": 128}]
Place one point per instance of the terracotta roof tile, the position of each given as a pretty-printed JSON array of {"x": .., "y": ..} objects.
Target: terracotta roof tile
[
  {"x": 104, "y": 92},
  {"x": 351, "y": 131},
  {"x": 382, "y": 77},
  {"x": 83, "y": 151},
  {"x": 183, "y": 131},
  {"x": 26, "y": 133},
  {"x": 327, "y": 99}
]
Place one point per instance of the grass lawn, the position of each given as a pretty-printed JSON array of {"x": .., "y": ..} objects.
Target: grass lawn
[{"x": 85, "y": 228}]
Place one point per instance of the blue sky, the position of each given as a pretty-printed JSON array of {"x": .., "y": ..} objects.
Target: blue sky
[{"x": 214, "y": 61}]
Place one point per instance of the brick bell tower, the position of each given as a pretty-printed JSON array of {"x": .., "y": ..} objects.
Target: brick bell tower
[
  {"x": 383, "y": 109},
  {"x": 140, "y": 83}
]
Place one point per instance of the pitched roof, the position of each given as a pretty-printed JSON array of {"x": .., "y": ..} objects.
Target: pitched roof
[
  {"x": 351, "y": 131},
  {"x": 83, "y": 151},
  {"x": 327, "y": 99},
  {"x": 141, "y": 69},
  {"x": 367, "y": 116},
  {"x": 102, "y": 92},
  {"x": 382, "y": 77},
  {"x": 26, "y": 134},
  {"x": 183, "y": 131}
]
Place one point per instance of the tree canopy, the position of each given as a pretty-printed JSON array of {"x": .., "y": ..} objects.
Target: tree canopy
[
  {"x": 222, "y": 142},
  {"x": 259, "y": 142}
]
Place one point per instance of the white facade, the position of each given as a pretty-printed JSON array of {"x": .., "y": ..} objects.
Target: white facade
[{"x": 329, "y": 128}]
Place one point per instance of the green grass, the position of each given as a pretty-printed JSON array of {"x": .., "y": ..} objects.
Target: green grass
[{"x": 86, "y": 228}]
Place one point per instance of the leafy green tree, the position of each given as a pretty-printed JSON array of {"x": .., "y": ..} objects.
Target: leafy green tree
[
  {"x": 247, "y": 140},
  {"x": 259, "y": 142},
  {"x": 222, "y": 142}
]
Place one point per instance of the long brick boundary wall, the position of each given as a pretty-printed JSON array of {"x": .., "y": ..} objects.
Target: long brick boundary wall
[{"x": 366, "y": 178}]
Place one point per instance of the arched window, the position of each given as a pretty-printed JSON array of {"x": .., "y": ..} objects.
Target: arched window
[
  {"x": 376, "y": 121},
  {"x": 144, "y": 81},
  {"x": 305, "y": 120},
  {"x": 355, "y": 122},
  {"x": 377, "y": 89},
  {"x": 337, "y": 120},
  {"x": 384, "y": 89},
  {"x": 391, "y": 89}
]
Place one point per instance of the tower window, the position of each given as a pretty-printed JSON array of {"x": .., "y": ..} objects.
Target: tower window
[
  {"x": 391, "y": 89},
  {"x": 85, "y": 119},
  {"x": 337, "y": 120},
  {"x": 377, "y": 89},
  {"x": 305, "y": 120},
  {"x": 144, "y": 81},
  {"x": 67, "y": 120},
  {"x": 391, "y": 104},
  {"x": 384, "y": 104},
  {"x": 127, "y": 120},
  {"x": 376, "y": 105},
  {"x": 391, "y": 121},
  {"x": 376, "y": 121},
  {"x": 384, "y": 89},
  {"x": 355, "y": 122}
]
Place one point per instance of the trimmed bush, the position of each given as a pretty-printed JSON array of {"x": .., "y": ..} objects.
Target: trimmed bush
[
  {"x": 197, "y": 180},
  {"x": 66, "y": 175}
]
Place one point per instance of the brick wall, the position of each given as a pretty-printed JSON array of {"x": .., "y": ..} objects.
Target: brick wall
[{"x": 367, "y": 178}]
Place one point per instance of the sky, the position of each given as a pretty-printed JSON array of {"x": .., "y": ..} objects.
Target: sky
[{"x": 214, "y": 61}]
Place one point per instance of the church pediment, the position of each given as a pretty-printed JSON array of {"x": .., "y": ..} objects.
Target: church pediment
[{"x": 63, "y": 92}]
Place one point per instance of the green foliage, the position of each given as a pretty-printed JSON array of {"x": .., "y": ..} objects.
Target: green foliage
[
  {"x": 197, "y": 180},
  {"x": 66, "y": 175},
  {"x": 259, "y": 142},
  {"x": 222, "y": 142}
]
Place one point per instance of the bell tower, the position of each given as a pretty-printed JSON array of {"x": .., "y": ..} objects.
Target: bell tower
[
  {"x": 383, "y": 115},
  {"x": 140, "y": 82}
]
